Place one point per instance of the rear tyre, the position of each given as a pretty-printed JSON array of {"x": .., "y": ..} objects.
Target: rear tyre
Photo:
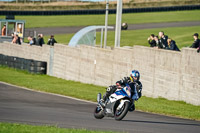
[
  {"x": 98, "y": 112},
  {"x": 121, "y": 113}
]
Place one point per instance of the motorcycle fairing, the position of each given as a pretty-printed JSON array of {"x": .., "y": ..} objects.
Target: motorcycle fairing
[{"x": 125, "y": 92}]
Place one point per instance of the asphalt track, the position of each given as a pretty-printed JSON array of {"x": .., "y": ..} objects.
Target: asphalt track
[
  {"x": 69, "y": 30},
  {"x": 19, "y": 105}
]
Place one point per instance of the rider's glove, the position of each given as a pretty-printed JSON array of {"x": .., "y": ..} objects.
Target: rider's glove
[{"x": 125, "y": 80}]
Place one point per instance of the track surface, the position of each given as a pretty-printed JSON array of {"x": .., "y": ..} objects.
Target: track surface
[
  {"x": 69, "y": 30},
  {"x": 25, "y": 106}
]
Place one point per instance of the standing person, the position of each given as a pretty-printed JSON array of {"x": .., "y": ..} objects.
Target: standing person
[
  {"x": 163, "y": 39},
  {"x": 172, "y": 45},
  {"x": 30, "y": 39},
  {"x": 196, "y": 42},
  {"x": 12, "y": 35},
  {"x": 198, "y": 49},
  {"x": 3, "y": 31},
  {"x": 151, "y": 40},
  {"x": 51, "y": 41},
  {"x": 14, "y": 40},
  {"x": 40, "y": 40},
  {"x": 158, "y": 43},
  {"x": 19, "y": 40}
]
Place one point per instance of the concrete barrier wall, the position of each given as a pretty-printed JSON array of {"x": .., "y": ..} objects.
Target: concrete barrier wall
[{"x": 168, "y": 74}]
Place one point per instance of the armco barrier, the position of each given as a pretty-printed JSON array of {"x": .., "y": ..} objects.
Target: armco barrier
[
  {"x": 102, "y": 11},
  {"x": 32, "y": 66},
  {"x": 164, "y": 73}
]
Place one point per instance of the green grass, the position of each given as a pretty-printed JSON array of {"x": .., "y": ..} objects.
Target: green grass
[
  {"x": 88, "y": 92},
  {"x": 182, "y": 36},
  {"x": 50, "y": 84},
  {"x": 85, "y": 20},
  {"x": 22, "y": 128}
]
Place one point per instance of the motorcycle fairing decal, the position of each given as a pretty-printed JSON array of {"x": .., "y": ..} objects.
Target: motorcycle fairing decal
[
  {"x": 121, "y": 92},
  {"x": 126, "y": 91}
]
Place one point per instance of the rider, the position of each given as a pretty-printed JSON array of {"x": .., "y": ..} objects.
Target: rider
[{"x": 133, "y": 81}]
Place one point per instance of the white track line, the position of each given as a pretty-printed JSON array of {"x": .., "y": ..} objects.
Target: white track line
[{"x": 59, "y": 95}]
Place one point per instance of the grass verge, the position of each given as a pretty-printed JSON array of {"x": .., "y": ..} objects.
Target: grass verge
[
  {"x": 22, "y": 128},
  {"x": 130, "y": 18},
  {"x": 182, "y": 36},
  {"x": 89, "y": 92}
]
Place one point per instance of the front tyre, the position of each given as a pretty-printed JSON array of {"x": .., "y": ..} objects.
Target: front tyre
[
  {"x": 121, "y": 113},
  {"x": 98, "y": 112}
]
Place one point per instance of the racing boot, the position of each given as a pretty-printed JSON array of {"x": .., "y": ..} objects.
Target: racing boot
[
  {"x": 132, "y": 107},
  {"x": 103, "y": 101}
]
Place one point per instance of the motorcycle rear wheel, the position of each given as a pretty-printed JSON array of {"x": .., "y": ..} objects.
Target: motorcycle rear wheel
[
  {"x": 121, "y": 113},
  {"x": 98, "y": 112}
]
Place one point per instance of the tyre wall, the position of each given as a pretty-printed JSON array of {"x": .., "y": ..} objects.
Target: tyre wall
[
  {"x": 32, "y": 58},
  {"x": 32, "y": 66}
]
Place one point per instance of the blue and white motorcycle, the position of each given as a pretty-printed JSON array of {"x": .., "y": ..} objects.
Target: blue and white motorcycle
[{"x": 117, "y": 105}]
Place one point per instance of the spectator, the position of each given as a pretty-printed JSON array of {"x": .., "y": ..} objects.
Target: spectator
[
  {"x": 40, "y": 40},
  {"x": 198, "y": 49},
  {"x": 196, "y": 41},
  {"x": 30, "y": 39},
  {"x": 34, "y": 41},
  {"x": 3, "y": 31},
  {"x": 51, "y": 41},
  {"x": 16, "y": 39},
  {"x": 12, "y": 35},
  {"x": 19, "y": 40},
  {"x": 151, "y": 40},
  {"x": 163, "y": 39},
  {"x": 124, "y": 26},
  {"x": 172, "y": 45},
  {"x": 158, "y": 43}
]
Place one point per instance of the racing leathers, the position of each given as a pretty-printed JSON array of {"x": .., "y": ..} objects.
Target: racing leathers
[{"x": 136, "y": 87}]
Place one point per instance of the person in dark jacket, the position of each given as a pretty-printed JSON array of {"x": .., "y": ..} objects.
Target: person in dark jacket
[
  {"x": 172, "y": 45},
  {"x": 34, "y": 41},
  {"x": 19, "y": 40},
  {"x": 163, "y": 39},
  {"x": 133, "y": 81},
  {"x": 151, "y": 40},
  {"x": 51, "y": 41},
  {"x": 40, "y": 40},
  {"x": 198, "y": 49},
  {"x": 158, "y": 43},
  {"x": 196, "y": 41}
]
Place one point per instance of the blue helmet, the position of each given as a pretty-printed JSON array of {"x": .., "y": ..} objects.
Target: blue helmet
[{"x": 135, "y": 73}]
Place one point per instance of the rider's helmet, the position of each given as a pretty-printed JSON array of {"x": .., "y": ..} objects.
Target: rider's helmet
[{"x": 135, "y": 75}]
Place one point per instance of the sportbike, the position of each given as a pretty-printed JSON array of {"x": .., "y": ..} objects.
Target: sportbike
[{"x": 117, "y": 105}]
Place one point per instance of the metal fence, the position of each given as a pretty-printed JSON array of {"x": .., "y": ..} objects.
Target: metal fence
[{"x": 101, "y": 11}]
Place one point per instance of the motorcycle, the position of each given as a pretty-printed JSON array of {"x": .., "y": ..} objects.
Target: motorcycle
[{"x": 117, "y": 105}]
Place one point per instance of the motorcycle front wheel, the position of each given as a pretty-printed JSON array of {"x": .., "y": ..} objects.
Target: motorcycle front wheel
[
  {"x": 121, "y": 113},
  {"x": 98, "y": 112}
]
